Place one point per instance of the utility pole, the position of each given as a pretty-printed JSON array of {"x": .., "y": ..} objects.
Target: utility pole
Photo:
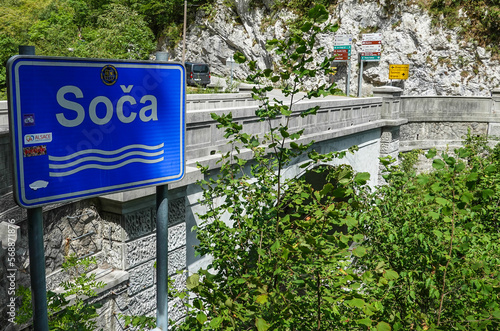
[{"x": 184, "y": 34}]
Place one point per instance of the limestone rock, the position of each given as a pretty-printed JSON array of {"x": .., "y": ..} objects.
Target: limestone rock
[{"x": 441, "y": 62}]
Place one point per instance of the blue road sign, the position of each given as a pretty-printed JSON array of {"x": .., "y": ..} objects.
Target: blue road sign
[
  {"x": 370, "y": 58},
  {"x": 87, "y": 127}
]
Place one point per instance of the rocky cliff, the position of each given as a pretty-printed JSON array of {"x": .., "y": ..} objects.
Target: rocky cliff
[{"x": 441, "y": 62}]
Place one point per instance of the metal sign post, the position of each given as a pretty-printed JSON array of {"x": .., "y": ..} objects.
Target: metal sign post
[
  {"x": 232, "y": 65},
  {"x": 371, "y": 50},
  {"x": 342, "y": 52},
  {"x": 37, "y": 253},
  {"x": 162, "y": 255},
  {"x": 348, "y": 80},
  {"x": 360, "y": 78},
  {"x": 87, "y": 127}
]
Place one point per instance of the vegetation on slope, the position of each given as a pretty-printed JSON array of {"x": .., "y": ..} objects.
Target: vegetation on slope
[{"x": 123, "y": 29}]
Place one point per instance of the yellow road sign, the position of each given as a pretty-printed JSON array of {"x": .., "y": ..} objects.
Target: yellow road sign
[{"x": 399, "y": 71}]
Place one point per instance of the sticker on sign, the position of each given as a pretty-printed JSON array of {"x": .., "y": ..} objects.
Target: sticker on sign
[{"x": 106, "y": 126}]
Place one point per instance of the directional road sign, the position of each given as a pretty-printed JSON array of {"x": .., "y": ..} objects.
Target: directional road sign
[
  {"x": 343, "y": 39},
  {"x": 87, "y": 127},
  {"x": 371, "y": 47},
  {"x": 342, "y": 48},
  {"x": 372, "y": 37},
  {"x": 399, "y": 71}
]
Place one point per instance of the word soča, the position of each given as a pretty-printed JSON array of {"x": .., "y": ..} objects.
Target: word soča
[{"x": 147, "y": 113}]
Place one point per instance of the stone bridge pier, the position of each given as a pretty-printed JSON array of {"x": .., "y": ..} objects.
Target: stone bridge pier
[{"x": 119, "y": 229}]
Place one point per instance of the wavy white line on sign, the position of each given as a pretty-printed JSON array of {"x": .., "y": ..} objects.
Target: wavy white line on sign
[
  {"x": 103, "y": 159},
  {"x": 103, "y": 152},
  {"x": 103, "y": 167}
]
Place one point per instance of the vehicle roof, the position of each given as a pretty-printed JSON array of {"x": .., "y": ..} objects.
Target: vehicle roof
[{"x": 196, "y": 63}]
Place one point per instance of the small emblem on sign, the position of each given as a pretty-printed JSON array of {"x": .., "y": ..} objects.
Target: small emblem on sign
[
  {"x": 35, "y": 151},
  {"x": 109, "y": 74},
  {"x": 38, "y": 184},
  {"x": 29, "y": 119},
  {"x": 38, "y": 138}
]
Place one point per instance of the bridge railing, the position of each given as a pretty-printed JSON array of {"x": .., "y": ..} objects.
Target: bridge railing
[{"x": 336, "y": 117}]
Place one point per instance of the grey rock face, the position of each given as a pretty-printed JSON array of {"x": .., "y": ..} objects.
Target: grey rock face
[{"x": 441, "y": 62}]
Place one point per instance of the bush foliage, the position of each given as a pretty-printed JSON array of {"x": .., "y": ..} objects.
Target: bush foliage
[{"x": 421, "y": 253}]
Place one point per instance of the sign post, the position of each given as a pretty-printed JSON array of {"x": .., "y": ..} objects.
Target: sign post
[
  {"x": 37, "y": 253},
  {"x": 87, "y": 127},
  {"x": 232, "y": 65},
  {"x": 371, "y": 50},
  {"x": 342, "y": 51}
]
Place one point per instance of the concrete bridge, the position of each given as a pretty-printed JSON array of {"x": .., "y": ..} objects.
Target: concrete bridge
[{"x": 119, "y": 229}]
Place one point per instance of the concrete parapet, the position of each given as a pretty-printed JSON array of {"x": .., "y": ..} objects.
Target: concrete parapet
[
  {"x": 391, "y": 95},
  {"x": 4, "y": 113},
  {"x": 218, "y": 100},
  {"x": 495, "y": 101},
  {"x": 448, "y": 109}
]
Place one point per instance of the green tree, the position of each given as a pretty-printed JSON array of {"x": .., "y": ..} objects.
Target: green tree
[
  {"x": 68, "y": 310},
  {"x": 281, "y": 247},
  {"x": 77, "y": 28},
  {"x": 440, "y": 232}
]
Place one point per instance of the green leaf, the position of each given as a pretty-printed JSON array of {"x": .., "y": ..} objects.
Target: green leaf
[
  {"x": 390, "y": 275},
  {"x": 318, "y": 13},
  {"x": 431, "y": 153},
  {"x": 356, "y": 302},
  {"x": 466, "y": 197},
  {"x": 239, "y": 57},
  {"x": 472, "y": 177},
  {"x": 261, "y": 324},
  {"x": 261, "y": 299},
  {"x": 490, "y": 169},
  {"x": 216, "y": 322},
  {"x": 487, "y": 193},
  {"x": 438, "y": 164},
  {"x": 201, "y": 318},
  {"x": 351, "y": 221},
  {"x": 383, "y": 326},
  {"x": 362, "y": 177},
  {"x": 442, "y": 201},
  {"x": 306, "y": 26},
  {"x": 285, "y": 111},
  {"x": 434, "y": 215},
  {"x": 364, "y": 321},
  {"x": 193, "y": 281},
  {"x": 301, "y": 50},
  {"x": 359, "y": 251},
  {"x": 275, "y": 246}
]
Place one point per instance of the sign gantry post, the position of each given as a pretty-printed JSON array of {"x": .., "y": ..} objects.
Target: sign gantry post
[{"x": 82, "y": 128}]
